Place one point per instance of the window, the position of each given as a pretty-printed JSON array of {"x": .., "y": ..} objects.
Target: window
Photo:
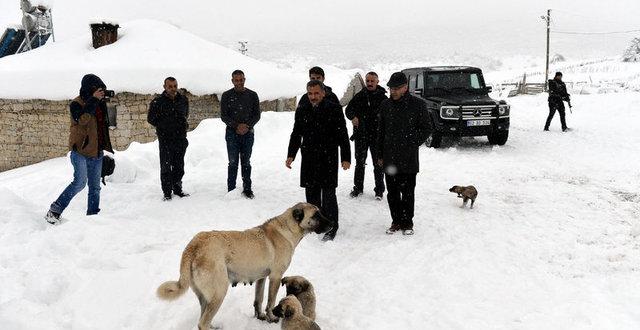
[
  {"x": 412, "y": 83},
  {"x": 420, "y": 82},
  {"x": 475, "y": 81}
]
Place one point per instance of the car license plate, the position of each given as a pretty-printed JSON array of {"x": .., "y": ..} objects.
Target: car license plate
[{"x": 483, "y": 122}]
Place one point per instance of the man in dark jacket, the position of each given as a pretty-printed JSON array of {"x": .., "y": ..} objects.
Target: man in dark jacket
[
  {"x": 317, "y": 73},
  {"x": 319, "y": 130},
  {"x": 557, "y": 96},
  {"x": 240, "y": 110},
  {"x": 363, "y": 113},
  {"x": 168, "y": 112},
  {"x": 404, "y": 126},
  {"x": 88, "y": 138}
]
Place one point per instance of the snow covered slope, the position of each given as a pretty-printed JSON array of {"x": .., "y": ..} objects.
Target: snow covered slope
[{"x": 551, "y": 244}]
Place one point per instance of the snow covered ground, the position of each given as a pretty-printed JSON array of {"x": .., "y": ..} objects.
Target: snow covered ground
[{"x": 551, "y": 244}]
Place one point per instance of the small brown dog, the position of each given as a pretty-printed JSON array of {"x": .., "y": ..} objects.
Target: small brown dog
[
  {"x": 290, "y": 310},
  {"x": 466, "y": 193},
  {"x": 303, "y": 290}
]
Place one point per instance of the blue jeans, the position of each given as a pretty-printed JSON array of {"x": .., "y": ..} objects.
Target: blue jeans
[
  {"x": 239, "y": 148},
  {"x": 86, "y": 170}
]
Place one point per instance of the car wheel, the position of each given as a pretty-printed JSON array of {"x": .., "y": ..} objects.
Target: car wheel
[{"x": 499, "y": 138}]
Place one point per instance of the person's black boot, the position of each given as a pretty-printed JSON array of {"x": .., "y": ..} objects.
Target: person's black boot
[{"x": 330, "y": 235}]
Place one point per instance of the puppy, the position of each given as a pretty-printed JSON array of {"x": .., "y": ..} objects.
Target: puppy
[
  {"x": 303, "y": 290},
  {"x": 290, "y": 310},
  {"x": 466, "y": 193}
]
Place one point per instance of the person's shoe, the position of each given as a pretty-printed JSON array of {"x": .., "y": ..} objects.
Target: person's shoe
[
  {"x": 52, "y": 217},
  {"x": 566, "y": 129},
  {"x": 181, "y": 194},
  {"x": 355, "y": 193},
  {"x": 393, "y": 229},
  {"x": 407, "y": 232},
  {"x": 379, "y": 197},
  {"x": 166, "y": 198},
  {"x": 248, "y": 194},
  {"x": 546, "y": 129},
  {"x": 329, "y": 236}
]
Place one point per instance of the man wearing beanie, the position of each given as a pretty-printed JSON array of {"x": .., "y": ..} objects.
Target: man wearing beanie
[{"x": 404, "y": 125}]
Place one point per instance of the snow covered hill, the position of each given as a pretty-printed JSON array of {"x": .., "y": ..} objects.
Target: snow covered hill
[{"x": 551, "y": 244}]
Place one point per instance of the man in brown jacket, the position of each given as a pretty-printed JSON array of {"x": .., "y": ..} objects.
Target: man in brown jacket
[{"x": 88, "y": 137}]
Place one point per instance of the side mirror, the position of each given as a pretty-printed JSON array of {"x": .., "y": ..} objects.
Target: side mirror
[
  {"x": 488, "y": 89},
  {"x": 418, "y": 92}
]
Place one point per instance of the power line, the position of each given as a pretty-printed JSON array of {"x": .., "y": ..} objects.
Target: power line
[{"x": 595, "y": 33}]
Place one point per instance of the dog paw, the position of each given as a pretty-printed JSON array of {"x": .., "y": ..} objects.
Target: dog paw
[
  {"x": 272, "y": 318},
  {"x": 261, "y": 316}
]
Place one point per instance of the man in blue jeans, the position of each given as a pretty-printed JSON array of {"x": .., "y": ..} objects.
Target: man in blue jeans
[
  {"x": 240, "y": 110},
  {"x": 88, "y": 137}
]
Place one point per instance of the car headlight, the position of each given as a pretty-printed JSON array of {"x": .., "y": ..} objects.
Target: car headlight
[
  {"x": 449, "y": 112},
  {"x": 503, "y": 110}
]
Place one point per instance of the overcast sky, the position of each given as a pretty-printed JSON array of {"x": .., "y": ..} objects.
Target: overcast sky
[{"x": 499, "y": 27}]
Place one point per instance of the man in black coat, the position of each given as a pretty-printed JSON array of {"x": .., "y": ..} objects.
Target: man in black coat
[
  {"x": 363, "y": 113},
  {"x": 317, "y": 73},
  {"x": 319, "y": 130},
  {"x": 168, "y": 112},
  {"x": 404, "y": 126},
  {"x": 557, "y": 96},
  {"x": 240, "y": 110}
]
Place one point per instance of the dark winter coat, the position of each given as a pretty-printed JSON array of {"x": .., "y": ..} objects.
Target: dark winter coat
[
  {"x": 328, "y": 94},
  {"x": 89, "y": 123},
  {"x": 404, "y": 126},
  {"x": 557, "y": 92},
  {"x": 318, "y": 132},
  {"x": 365, "y": 105},
  {"x": 240, "y": 108},
  {"x": 169, "y": 116}
]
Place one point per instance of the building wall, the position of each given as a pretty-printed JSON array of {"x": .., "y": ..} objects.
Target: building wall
[{"x": 35, "y": 130}]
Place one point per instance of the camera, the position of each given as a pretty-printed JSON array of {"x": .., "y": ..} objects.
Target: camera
[{"x": 109, "y": 93}]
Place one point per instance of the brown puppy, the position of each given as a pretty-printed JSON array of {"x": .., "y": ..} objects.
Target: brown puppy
[
  {"x": 293, "y": 319},
  {"x": 215, "y": 259},
  {"x": 303, "y": 290},
  {"x": 466, "y": 193}
]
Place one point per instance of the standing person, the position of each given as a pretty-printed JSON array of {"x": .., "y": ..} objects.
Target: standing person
[
  {"x": 404, "y": 126},
  {"x": 363, "y": 113},
  {"x": 168, "y": 113},
  {"x": 88, "y": 138},
  {"x": 319, "y": 130},
  {"x": 317, "y": 73},
  {"x": 240, "y": 110},
  {"x": 557, "y": 96}
]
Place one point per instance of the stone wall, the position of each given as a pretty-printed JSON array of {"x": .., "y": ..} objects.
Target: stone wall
[{"x": 35, "y": 130}]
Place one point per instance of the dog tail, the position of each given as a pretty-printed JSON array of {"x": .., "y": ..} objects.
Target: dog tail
[{"x": 171, "y": 290}]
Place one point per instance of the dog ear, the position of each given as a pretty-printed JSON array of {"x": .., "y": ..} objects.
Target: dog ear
[
  {"x": 298, "y": 214},
  {"x": 288, "y": 311},
  {"x": 277, "y": 311},
  {"x": 305, "y": 286}
]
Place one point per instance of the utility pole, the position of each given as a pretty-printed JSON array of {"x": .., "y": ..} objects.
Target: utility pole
[{"x": 546, "y": 69}]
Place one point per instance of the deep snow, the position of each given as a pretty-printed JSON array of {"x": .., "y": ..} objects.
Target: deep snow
[{"x": 551, "y": 244}]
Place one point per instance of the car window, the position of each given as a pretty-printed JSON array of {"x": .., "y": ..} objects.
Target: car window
[
  {"x": 475, "y": 81},
  {"x": 420, "y": 82},
  {"x": 412, "y": 83}
]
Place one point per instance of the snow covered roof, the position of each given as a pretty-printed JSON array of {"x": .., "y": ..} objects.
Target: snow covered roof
[{"x": 146, "y": 52}]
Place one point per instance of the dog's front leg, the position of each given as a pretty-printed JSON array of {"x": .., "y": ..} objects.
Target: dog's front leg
[
  {"x": 274, "y": 285},
  {"x": 257, "y": 302}
]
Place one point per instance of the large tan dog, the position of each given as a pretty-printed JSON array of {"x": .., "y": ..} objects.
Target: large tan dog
[
  {"x": 290, "y": 310},
  {"x": 215, "y": 259}
]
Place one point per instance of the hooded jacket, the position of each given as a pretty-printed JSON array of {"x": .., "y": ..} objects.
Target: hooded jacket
[{"x": 89, "y": 124}]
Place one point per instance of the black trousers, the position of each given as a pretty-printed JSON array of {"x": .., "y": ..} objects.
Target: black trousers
[
  {"x": 172, "y": 164},
  {"x": 401, "y": 198},
  {"x": 559, "y": 106},
  {"x": 362, "y": 146},
  {"x": 326, "y": 200}
]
